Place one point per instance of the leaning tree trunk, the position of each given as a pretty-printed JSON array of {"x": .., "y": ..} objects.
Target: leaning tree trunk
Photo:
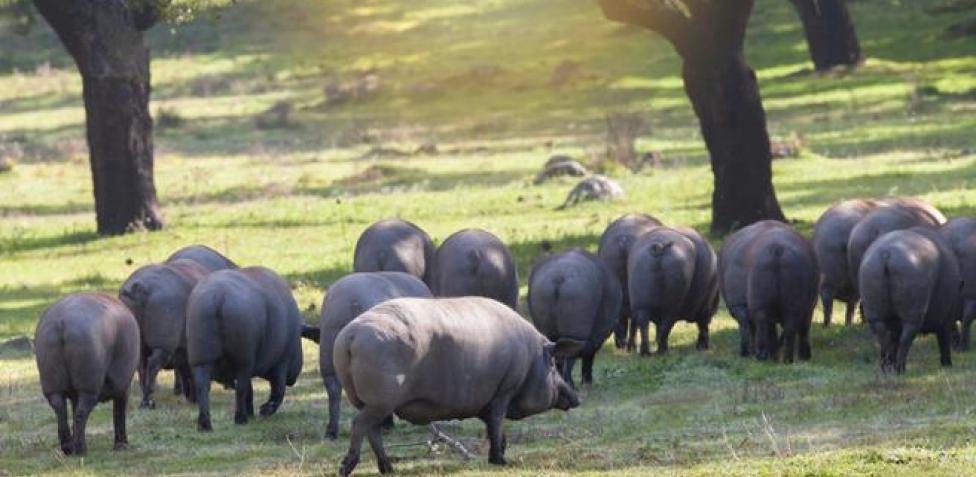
[
  {"x": 710, "y": 37},
  {"x": 830, "y": 33},
  {"x": 725, "y": 95},
  {"x": 105, "y": 40}
]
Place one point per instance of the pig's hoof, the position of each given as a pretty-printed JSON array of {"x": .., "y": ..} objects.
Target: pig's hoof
[
  {"x": 147, "y": 404},
  {"x": 67, "y": 449},
  {"x": 349, "y": 463},
  {"x": 121, "y": 446},
  {"x": 946, "y": 362},
  {"x": 331, "y": 435},
  {"x": 203, "y": 425},
  {"x": 497, "y": 460},
  {"x": 385, "y": 466},
  {"x": 269, "y": 408},
  {"x": 240, "y": 418}
]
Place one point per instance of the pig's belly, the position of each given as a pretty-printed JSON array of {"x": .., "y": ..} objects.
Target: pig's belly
[{"x": 424, "y": 411}]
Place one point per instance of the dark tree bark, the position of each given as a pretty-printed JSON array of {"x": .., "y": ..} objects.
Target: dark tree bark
[
  {"x": 830, "y": 33},
  {"x": 724, "y": 92},
  {"x": 105, "y": 40}
]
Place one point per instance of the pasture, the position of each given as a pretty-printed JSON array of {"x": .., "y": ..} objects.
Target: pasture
[{"x": 475, "y": 80}]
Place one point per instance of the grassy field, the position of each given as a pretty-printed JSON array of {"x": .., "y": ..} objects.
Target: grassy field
[{"x": 475, "y": 79}]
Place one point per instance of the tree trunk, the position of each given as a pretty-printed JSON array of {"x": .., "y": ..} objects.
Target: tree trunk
[
  {"x": 105, "y": 40},
  {"x": 725, "y": 95},
  {"x": 830, "y": 33}
]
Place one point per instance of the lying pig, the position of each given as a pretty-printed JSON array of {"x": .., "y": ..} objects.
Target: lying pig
[
  {"x": 614, "y": 245},
  {"x": 960, "y": 235},
  {"x": 157, "y": 294},
  {"x": 673, "y": 275},
  {"x": 240, "y": 324},
  {"x": 733, "y": 273},
  {"x": 211, "y": 259},
  {"x": 394, "y": 245},
  {"x": 87, "y": 349},
  {"x": 831, "y": 234},
  {"x": 877, "y": 223},
  {"x": 346, "y": 299},
  {"x": 437, "y": 359},
  {"x": 473, "y": 262},
  {"x": 910, "y": 283},
  {"x": 781, "y": 292},
  {"x": 574, "y": 300}
]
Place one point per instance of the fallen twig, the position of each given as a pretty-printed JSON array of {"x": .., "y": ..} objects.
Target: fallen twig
[{"x": 456, "y": 444}]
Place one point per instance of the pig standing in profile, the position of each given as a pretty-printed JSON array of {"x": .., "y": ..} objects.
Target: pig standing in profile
[
  {"x": 473, "y": 262},
  {"x": 87, "y": 349},
  {"x": 240, "y": 324},
  {"x": 897, "y": 215},
  {"x": 831, "y": 235},
  {"x": 614, "y": 245},
  {"x": 430, "y": 360},
  {"x": 960, "y": 236},
  {"x": 733, "y": 273},
  {"x": 910, "y": 284},
  {"x": 574, "y": 300},
  {"x": 346, "y": 299},
  {"x": 157, "y": 295},
  {"x": 394, "y": 245},
  {"x": 211, "y": 259},
  {"x": 673, "y": 275}
]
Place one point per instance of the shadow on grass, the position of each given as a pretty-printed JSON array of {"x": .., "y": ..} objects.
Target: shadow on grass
[
  {"x": 820, "y": 191},
  {"x": 14, "y": 245}
]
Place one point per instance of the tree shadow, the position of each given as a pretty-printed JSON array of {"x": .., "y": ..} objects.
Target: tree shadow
[{"x": 13, "y": 245}]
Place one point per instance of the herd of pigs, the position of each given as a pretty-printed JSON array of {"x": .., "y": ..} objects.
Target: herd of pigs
[{"x": 431, "y": 333}]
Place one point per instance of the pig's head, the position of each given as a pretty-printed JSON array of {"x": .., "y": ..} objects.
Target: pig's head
[{"x": 544, "y": 388}]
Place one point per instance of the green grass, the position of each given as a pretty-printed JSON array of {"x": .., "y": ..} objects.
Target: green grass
[{"x": 475, "y": 80}]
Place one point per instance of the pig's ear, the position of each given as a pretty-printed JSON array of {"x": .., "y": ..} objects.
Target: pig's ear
[{"x": 568, "y": 347}]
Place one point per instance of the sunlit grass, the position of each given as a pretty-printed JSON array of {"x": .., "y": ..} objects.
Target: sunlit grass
[{"x": 476, "y": 81}]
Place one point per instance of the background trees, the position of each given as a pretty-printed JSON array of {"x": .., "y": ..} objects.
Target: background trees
[
  {"x": 105, "y": 40},
  {"x": 830, "y": 33},
  {"x": 709, "y": 37}
]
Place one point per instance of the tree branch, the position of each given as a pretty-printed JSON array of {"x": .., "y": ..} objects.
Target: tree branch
[{"x": 667, "y": 21}]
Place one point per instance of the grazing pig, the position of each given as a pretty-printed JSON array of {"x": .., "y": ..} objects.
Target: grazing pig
[
  {"x": 211, "y": 259},
  {"x": 239, "y": 324},
  {"x": 430, "y": 360},
  {"x": 473, "y": 262},
  {"x": 87, "y": 349},
  {"x": 918, "y": 206},
  {"x": 614, "y": 245},
  {"x": 831, "y": 234},
  {"x": 910, "y": 283},
  {"x": 394, "y": 245},
  {"x": 878, "y": 222},
  {"x": 346, "y": 299},
  {"x": 564, "y": 167},
  {"x": 960, "y": 235},
  {"x": 598, "y": 187},
  {"x": 574, "y": 300},
  {"x": 673, "y": 275},
  {"x": 157, "y": 294},
  {"x": 781, "y": 292},
  {"x": 733, "y": 272}
]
